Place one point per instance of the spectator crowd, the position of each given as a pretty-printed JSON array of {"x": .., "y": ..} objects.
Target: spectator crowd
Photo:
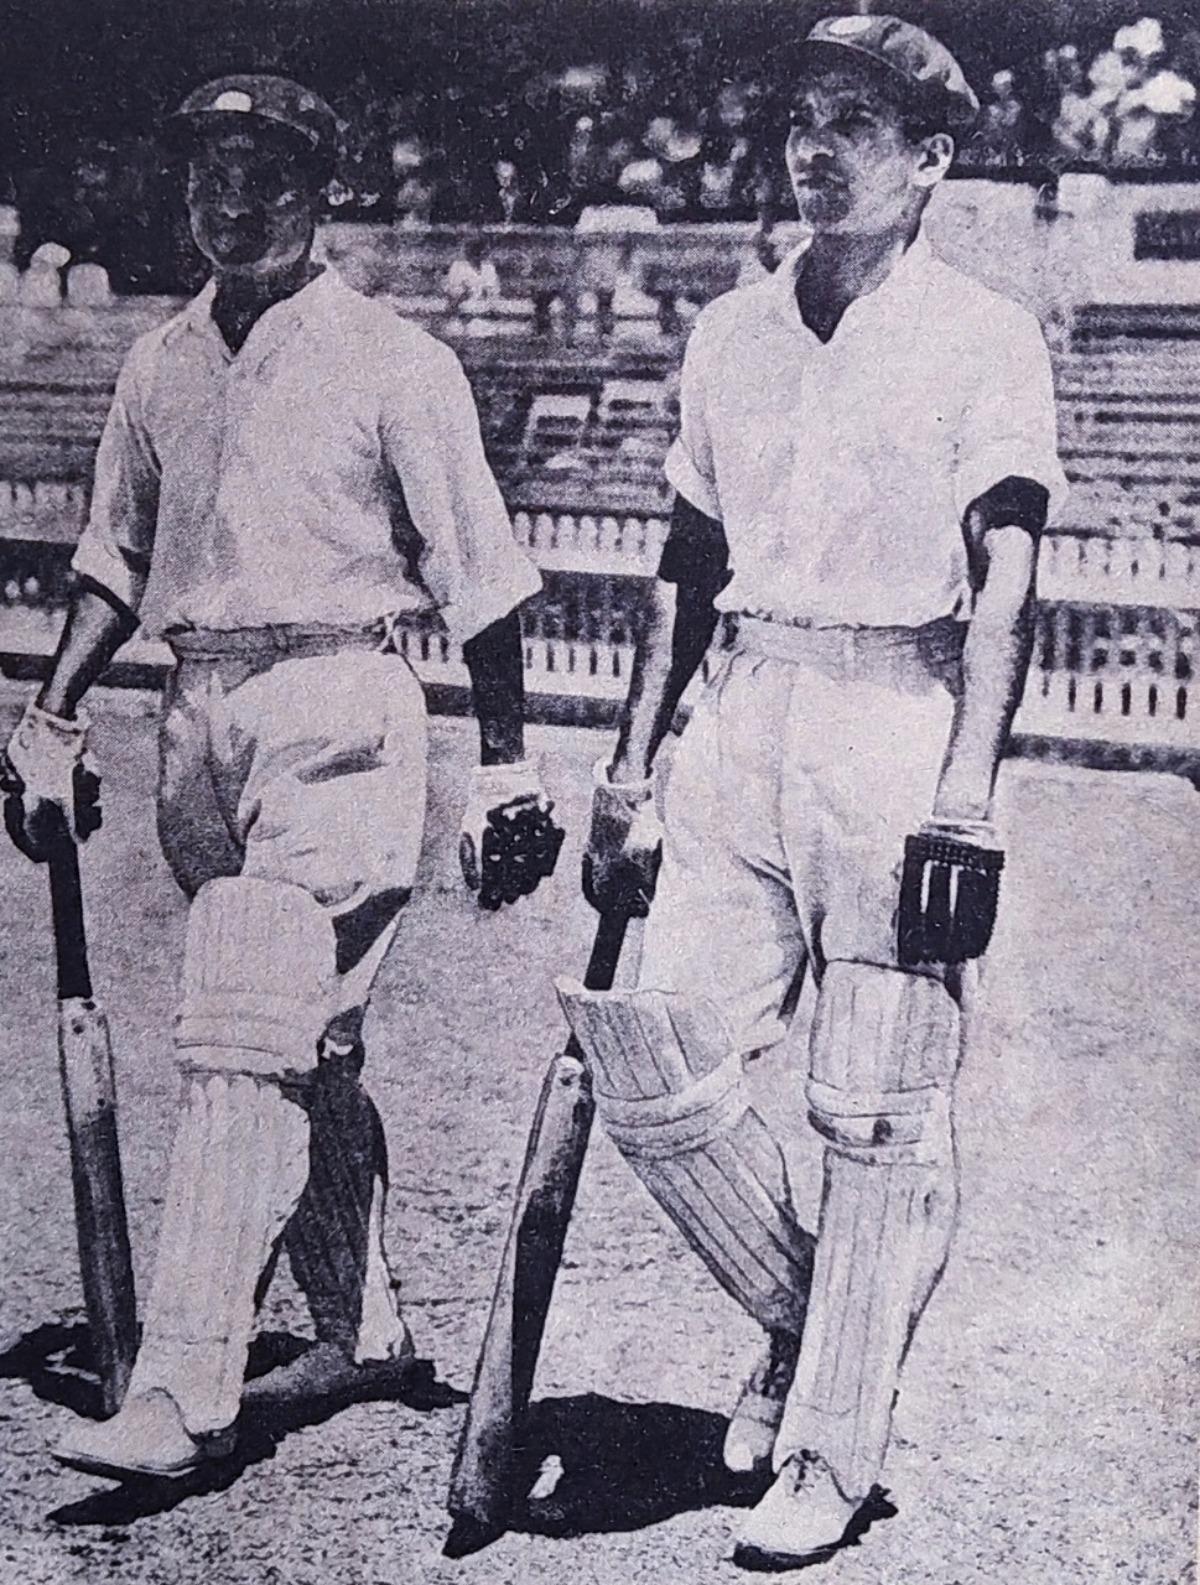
[
  {"x": 685, "y": 149},
  {"x": 679, "y": 135},
  {"x": 1132, "y": 107}
]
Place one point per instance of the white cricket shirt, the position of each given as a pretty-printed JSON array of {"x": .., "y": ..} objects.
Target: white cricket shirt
[
  {"x": 284, "y": 484},
  {"x": 841, "y": 471}
]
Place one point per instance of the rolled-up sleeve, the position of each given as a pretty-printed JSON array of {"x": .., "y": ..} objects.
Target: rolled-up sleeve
[
  {"x": 1009, "y": 426},
  {"x": 689, "y": 465},
  {"x": 116, "y": 544},
  {"x": 468, "y": 560}
]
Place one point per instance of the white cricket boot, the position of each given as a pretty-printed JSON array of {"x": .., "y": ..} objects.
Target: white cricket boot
[
  {"x": 801, "y": 1519},
  {"x": 145, "y": 1437},
  {"x": 754, "y": 1424}
]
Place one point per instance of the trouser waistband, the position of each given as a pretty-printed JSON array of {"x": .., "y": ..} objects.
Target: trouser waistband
[
  {"x": 894, "y": 656},
  {"x": 277, "y": 640}
]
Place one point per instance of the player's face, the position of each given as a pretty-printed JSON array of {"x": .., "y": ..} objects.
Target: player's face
[
  {"x": 252, "y": 204},
  {"x": 853, "y": 167}
]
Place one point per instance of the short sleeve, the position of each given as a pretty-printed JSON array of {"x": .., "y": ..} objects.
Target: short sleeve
[
  {"x": 116, "y": 544},
  {"x": 689, "y": 465},
  {"x": 468, "y": 558},
  {"x": 1010, "y": 425}
]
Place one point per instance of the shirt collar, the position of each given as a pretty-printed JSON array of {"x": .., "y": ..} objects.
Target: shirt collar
[
  {"x": 908, "y": 278},
  {"x": 311, "y": 302}
]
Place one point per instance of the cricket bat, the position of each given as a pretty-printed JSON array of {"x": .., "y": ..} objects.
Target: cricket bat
[
  {"x": 89, "y": 1096},
  {"x": 488, "y": 1463}
]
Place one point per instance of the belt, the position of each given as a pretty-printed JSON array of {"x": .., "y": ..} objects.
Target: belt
[
  {"x": 894, "y": 656},
  {"x": 277, "y": 640}
]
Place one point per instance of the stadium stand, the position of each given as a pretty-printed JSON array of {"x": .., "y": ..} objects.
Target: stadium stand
[{"x": 577, "y": 420}]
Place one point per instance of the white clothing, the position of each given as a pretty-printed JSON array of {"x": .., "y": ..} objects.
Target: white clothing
[
  {"x": 786, "y": 809},
  {"x": 1081, "y": 127},
  {"x": 1110, "y": 77},
  {"x": 841, "y": 471},
  {"x": 307, "y": 770},
  {"x": 286, "y": 484},
  {"x": 1139, "y": 113}
]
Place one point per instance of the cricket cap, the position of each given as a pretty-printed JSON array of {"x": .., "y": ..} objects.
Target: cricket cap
[
  {"x": 294, "y": 110},
  {"x": 932, "y": 78}
]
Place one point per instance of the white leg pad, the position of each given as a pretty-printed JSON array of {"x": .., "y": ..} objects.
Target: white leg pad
[
  {"x": 668, "y": 1087},
  {"x": 258, "y": 978},
  {"x": 884, "y": 1051},
  {"x": 237, "y": 1170}
]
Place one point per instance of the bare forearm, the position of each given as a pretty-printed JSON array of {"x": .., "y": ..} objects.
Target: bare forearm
[
  {"x": 676, "y": 629},
  {"x": 995, "y": 663},
  {"x": 95, "y": 629},
  {"x": 496, "y": 666},
  {"x": 641, "y": 728}
]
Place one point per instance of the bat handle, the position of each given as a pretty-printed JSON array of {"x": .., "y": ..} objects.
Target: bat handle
[
  {"x": 606, "y": 951},
  {"x": 66, "y": 906}
]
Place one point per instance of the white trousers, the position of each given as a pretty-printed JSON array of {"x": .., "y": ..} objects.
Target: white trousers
[
  {"x": 810, "y": 757},
  {"x": 310, "y": 771}
]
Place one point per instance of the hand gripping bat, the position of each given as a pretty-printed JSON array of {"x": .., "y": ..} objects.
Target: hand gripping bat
[
  {"x": 89, "y": 1096},
  {"x": 488, "y": 1463}
]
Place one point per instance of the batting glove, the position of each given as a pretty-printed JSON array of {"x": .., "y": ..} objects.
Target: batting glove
[
  {"x": 48, "y": 784},
  {"x": 509, "y": 842},
  {"x": 949, "y": 890},
  {"x": 624, "y": 848}
]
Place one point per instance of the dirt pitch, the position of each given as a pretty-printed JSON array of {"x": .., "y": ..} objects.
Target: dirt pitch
[{"x": 1047, "y": 1429}]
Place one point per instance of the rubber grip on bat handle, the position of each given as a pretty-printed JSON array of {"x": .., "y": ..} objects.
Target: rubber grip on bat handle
[
  {"x": 66, "y": 905},
  {"x": 606, "y": 951}
]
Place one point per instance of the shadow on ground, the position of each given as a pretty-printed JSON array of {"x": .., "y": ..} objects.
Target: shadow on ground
[
  {"x": 625, "y": 1466},
  {"x": 55, "y": 1361}
]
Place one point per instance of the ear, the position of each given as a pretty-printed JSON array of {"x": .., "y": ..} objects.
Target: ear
[{"x": 937, "y": 152}]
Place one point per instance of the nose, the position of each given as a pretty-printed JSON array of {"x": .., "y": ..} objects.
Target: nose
[
  {"x": 233, "y": 203},
  {"x": 808, "y": 146}
]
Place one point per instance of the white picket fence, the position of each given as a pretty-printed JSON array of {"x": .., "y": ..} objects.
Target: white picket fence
[{"x": 1118, "y": 671}]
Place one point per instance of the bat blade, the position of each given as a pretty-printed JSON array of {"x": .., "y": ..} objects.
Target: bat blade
[
  {"x": 486, "y": 1469},
  {"x": 89, "y": 1099},
  {"x": 105, "y": 1261},
  {"x": 483, "y": 1483}
]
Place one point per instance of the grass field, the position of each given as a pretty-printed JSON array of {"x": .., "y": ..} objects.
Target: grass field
[{"x": 1047, "y": 1429}]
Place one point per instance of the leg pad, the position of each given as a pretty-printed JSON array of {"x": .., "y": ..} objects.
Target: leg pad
[
  {"x": 883, "y": 1056},
  {"x": 257, "y": 978},
  {"x": 668, "y": 1089},
  {"x": 335, "y": 1238},
  {"x": 237, "y": 1169}
]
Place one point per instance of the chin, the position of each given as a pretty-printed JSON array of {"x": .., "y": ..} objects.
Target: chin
[
  {"x": 228, "y": 260},
  {"x": 262, "y": 267},
  {"x": 822, "y": 210},
  {"x": 234, "y": 265}
]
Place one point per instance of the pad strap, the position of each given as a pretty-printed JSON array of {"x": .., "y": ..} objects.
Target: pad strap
[
  {"x": 876, "y": 1121},
  {"x": 662, "y": 1126},
  {"x": 284, "y": 1029}
]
